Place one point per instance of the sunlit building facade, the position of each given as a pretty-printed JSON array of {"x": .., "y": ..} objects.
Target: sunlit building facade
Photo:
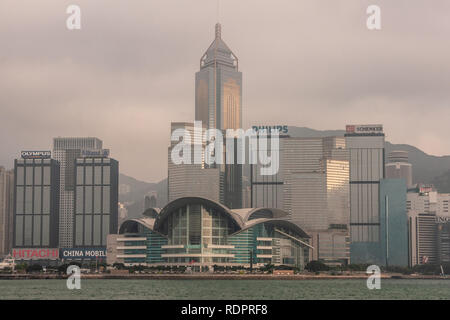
[{"x": 218, "y": 87}]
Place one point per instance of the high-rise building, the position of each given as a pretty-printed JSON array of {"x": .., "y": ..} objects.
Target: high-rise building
[
  {"x": 36, "y": 211},
  {"x": 399, "y": 167},
  {"x": 429, "y": 226},
  {"x": 218, "y": 87},
  {"x": 66, "y": 151},
  {"x": 193, "y": 179},
  {"x": 6, "y": 210},
  {"x": 365, "y": 144},
  {"x": 96, "y": 200},
  {"x": 312, "y": 186}
]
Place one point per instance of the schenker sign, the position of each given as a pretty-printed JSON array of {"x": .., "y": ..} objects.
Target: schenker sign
[{"x": 368, "y": 128}]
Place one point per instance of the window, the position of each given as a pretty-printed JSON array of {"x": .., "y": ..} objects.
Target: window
[
  {"x": 80, "y": 175},
  {"x": 38, "y": 175},
  {"x": 88, "y": 175},
  {"x": 106, "y": 199},
  {"x": 37, "y": 231},
  {"x": 97, "y": 175},
  {"x": 88, "y": 230},
  {"x": 28, "y": 200},
  {"x": 79, "y": 202},
  {"x": 37, "y": 200},
  {"x": 28, "y": 230},
  {"x": 79, "y": 230},
  {"x": 106, "y": 175},
  {"x": 97, "y": 199},
  {"x": 19, "y": 230},
  {"x": 19, "y": 200},
  {"x": 29, "y": 175},
  {"x": 88, "y": 200},
  {"x": 46, "y": 200},
  {"x": 46, "y": 180},
  {"x": 20, "y": 176},
  {"x": 97, "y": 230},
  {"x": 105, "y": 230},
  {"x": 45, "y": 230}
]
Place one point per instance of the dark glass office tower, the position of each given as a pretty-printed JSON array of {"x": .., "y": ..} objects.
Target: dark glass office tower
[
  {"x": 36, "y": 198},
  {"x": 95, "y": 201}
]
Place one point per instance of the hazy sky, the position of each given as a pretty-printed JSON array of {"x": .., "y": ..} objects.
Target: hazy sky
[{"x": 130, "y": 70}]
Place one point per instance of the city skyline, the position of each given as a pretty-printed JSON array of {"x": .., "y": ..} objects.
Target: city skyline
[{"x": 83, "y": 83}]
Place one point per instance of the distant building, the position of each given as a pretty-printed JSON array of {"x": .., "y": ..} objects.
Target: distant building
[
  {"x": 429, "y": 226},
  {"x": 95, "y": 200},
  {"x": 6, "y": 210},
  {"x": 399, "y": 167},
  {"x": 36, "y": 193},
  {"x": 150, "y": 201}
]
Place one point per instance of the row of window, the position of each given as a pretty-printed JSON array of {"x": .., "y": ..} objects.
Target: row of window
[
  {"x": 32, "y": 230},
  {"x": 32, "y": 200},
  {"x": 92, "y": 199},
  {"x": 91, "y": 230},
  {"x": 98, "y": 175},
  {"x": 29, "y": 175}
]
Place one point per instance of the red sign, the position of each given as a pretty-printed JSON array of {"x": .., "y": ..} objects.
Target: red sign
[
  {"x": 35, "y": 254},
  {"x": 350, "y": 129}
]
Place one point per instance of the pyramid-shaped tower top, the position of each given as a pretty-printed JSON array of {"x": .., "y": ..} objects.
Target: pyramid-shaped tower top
[{"x": 218, "y": 53}]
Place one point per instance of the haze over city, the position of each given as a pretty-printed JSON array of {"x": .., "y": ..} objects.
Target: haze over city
[{"x": 129, "y": 72}]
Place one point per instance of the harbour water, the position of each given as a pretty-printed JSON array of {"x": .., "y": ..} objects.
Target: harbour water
[{"x": 111, "y": 289}]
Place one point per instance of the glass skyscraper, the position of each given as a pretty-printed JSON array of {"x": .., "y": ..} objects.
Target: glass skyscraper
[
  {"x": 96, "y": 199},
  {"x": 36, "y": 211},
  {"x": 218, "y": 87}
]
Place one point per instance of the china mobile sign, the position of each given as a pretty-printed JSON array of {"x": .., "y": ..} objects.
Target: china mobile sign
[
  {"x": 35, "y": 254},
  {"x": 83, "y": 253}
]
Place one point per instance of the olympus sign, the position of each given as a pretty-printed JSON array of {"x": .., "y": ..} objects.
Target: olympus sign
[{"x": 36, "y": 154}]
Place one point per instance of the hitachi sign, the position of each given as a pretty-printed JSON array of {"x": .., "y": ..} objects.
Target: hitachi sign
[{"x": 35, "y": 254}]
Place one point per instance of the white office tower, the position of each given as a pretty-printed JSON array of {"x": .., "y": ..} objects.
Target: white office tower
[
  {"x": 429, "y": 226},
  {"x": 192, "y": 179},
  {"x": 399, "y": 167},
  {"x": 312, "y": 186},
  {"x": 366, "y": 149},
  {"x": 66, "y": 150}
]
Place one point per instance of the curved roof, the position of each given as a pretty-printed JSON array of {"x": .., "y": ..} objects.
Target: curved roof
[
  {"x": 243, "y": 218},
  {"x": 180, "y": 202}
]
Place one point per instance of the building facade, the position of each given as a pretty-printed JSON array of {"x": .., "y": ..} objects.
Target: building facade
[
  {"x": 36, "y": 209},
  {"x": 66, "y": 151},
  {"x": 218, "y": 87},
  {"x": 365, "y": 144},
  {"x": 6, "y": 210},
  {"x": 399, "y": 167},
  {"x": 95, "y": 201},
  {"x": 195, "y": 231},
  {"x": 428, "y": 225}
]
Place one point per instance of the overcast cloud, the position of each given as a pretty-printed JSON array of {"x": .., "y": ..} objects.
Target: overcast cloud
[{"x": 130, "y": 70}]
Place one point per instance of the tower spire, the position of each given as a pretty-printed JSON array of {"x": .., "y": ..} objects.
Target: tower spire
[{"x": 218, "y": 31}]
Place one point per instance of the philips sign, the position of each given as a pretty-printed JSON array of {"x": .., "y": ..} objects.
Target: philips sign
[
  {"x": 104, "y": 153},
  {"x": 36, "y": 154},
  {"x": 83, "y": 253},
  {"x": 280, "y": 128}
]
